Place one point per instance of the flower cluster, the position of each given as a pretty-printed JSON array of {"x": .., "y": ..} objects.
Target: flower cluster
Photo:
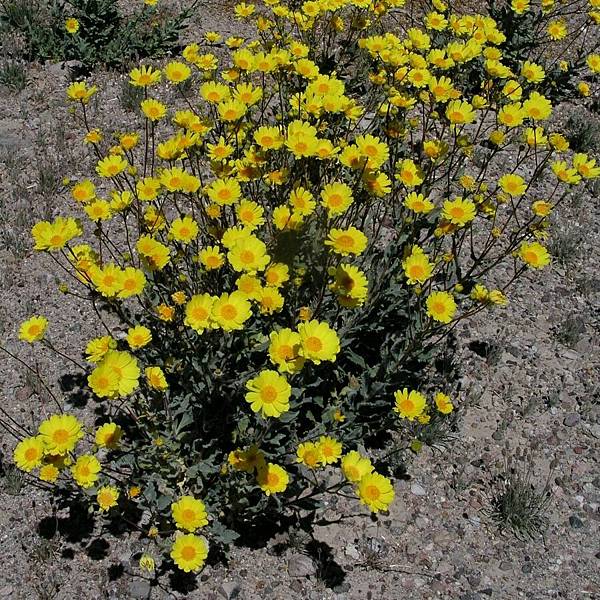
[{"x": 309, "y": 217}]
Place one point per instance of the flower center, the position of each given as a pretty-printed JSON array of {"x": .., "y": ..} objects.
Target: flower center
[
  {"x": 272, "y": 479},
  {"x": 31, "y": 453},
  {"x": 247, "y": 256},
  {"x": 345, "y": 241},
  {"x": 407, "y": 406},
  {"x": 60, "y": 436},
  {"x": 229, "y": 312},
  {"x": 268, "y": 394},
  {"x": 314, "y": 344},
  {"x": 188, "y": 553},
  {"x": 372, "y": 492},
  {"x": 188, "y": 514}
]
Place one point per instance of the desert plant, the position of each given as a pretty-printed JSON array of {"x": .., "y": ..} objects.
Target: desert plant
[
  {"x": 13, "y": 75},
  {"x": 284, "y": 262},
  {"x": 518, "y": 504},
  {"x": 93, "y": 31}
]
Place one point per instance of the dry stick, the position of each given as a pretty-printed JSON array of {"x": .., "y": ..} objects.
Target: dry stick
[{"x": 29, "y": 368}]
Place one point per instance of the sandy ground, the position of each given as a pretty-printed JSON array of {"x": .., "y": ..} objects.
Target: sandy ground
[{"x": 530, "y": 384}]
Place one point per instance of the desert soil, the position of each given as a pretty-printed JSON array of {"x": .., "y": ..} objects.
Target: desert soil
[{"x": 530, "y": 383}]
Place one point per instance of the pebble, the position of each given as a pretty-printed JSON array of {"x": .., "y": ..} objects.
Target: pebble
[
  {"x": 575, "y": 522},
  {"x": 417, "y": 489},
  {"x": 301, "y": 566},
  {"x": 352, "y": 551},
  {"x": 139, "y": 588},
  {"x": 571, "y": 420},
  {"x": 230, "y": 590}
]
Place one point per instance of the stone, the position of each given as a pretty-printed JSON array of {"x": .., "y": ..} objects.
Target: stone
[
  {"x": 571, "y": 420},
  {"x": 417, "y": 489},
  {"x": 352, "y": 552},
  {"x": 230, "y": 590},
  {"x": 300, "y": 565},
  {"x": 139, "y": 588},
  {"x": 505, "y": 566},
  {"x": 527, "y": 568},
  {"x": 575, "y": 522},
  {"x": 342, "y": 588}
]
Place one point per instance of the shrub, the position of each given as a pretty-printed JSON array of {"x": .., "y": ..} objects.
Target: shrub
[
  {"x": 92, "y": 31},
  {"x": 284, "y": 260}
]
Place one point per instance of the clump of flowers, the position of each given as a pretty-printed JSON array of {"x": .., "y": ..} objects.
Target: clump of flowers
[{"x": 286, "y": 242}]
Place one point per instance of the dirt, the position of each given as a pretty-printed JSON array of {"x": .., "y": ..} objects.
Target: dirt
[{"x": 530, "y": 383}]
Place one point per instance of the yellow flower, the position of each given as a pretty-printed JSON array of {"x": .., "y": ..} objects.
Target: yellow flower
[
  {"x": 458, "y": 211},
  {"x": 409, "y": 173},
  {"x": 49, "y": 473},
  {"x": 107, "y": 497},
  {"x": 189, "y": 513},
  {"x": 247, "y": 460},
  {"x": 116, "y": 375},
  {"x": 211, "y": 257},
  {"x": 78, "y": 91},
  {"x": 534, "y": 255},
  {"x": 34, "y": 329},
  {"x": 177, "y": 72},
  {"x": 443, "y": 403},
  {"x": 330, "y": 449},
  {"x": 85, "y": 470},
  {"x": 55, "y": 235},
  {"x": 318, "y": 342},
  {"x": 250, "y": 214},
  {"x": 249, "y": 254},
  {"x": 153, "y": 109},
  {"x": 72, "y": 26},
  {"x": 138, "y": 337},
  {"x": 284, "y": 350},
  {"x": 268, "y": 393},
  {"x": 309, "y": 454},
  {"x": 270, "y": 300},
  {"x": 272, "y": 479},
  {"x": 276, "y": 274},
  {"x": 84, "y": 191},
  {"x": 144, "y": 76},
  {"x": 156, "y": 254},
  {"x": 198, "y": 312},
  {"x": 155, "y": 378},
  {"x": 231, "y": 311},
  {"x": 189, "y": 552},
  {"x": 231, "y": 110},
  {"x": 109, "y": 436},
  {"x": 146, "y": 562},
  {"x": 441, "y": 306},
  {"x": 224, "y": 191},
  {"x": 355, "y": 466},
  {"x": 537, "y": 107},
  {"x": 336, "y": 197},
  {"x": 347, "y": 241},
  {"x": 350, "y": 285},
  {"x": 60, "y": 433},
  {"x": 132, "y": 282},
  {"x": 29, "y": 452},
  {"x": 417, "y": 267},
  {"x": 409, "y": 405},
  {"x": 98, "y": 347},
  {"x": 111, "y": 166},
  {"x": 418, "y": 203},
  {"x": 376, "y": 492},
  {"x": 460, "y": 112},
  {"x": 184, "y": 230},
  {"x": 532, "y": 72},
  {"x": 268, "y": 138}
]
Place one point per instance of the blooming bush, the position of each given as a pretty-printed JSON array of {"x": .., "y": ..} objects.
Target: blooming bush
[
  {"x": 285, "y": 256},
  {"x": 93, "y": 31}
]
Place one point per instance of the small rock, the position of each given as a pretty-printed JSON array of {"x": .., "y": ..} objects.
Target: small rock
[
  {"x": 571, "y": 420},
  {"x": 301, "y": 566},
  {"x": 352, "y": 551},
  {"x": 487, "y": 591},
  {"x": 139, "y": 588},
  {"x": 575, "y": 522},
  {"x": 417, "y": 489},
  {"x": 505, "y": 566},
  {"x": 474, "y": 579},
  {"x": 230, "y": 589},
  {"x": 341, "y": 588},
  {"x": 527, "y": 568},
  {"x": 297, "y": 586}
]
